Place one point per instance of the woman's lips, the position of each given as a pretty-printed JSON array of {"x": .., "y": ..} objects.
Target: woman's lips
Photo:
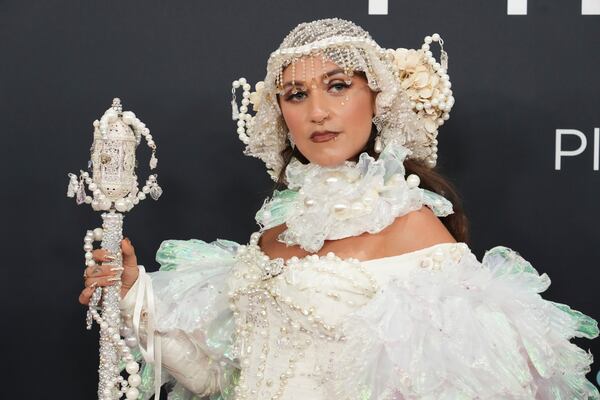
[{"x": 320, "y": 137}]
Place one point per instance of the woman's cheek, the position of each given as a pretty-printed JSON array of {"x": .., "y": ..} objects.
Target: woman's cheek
[
  {"x": 358, "y": 113},
  {"x": 291, "y": 119}
]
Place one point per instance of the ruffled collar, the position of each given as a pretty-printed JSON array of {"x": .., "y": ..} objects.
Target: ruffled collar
[{"x": 329, "y": 203}]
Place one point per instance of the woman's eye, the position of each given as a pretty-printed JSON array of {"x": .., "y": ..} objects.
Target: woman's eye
[
  {"x": 299, "y": 95},
  {"x": 338, "y": 86}
]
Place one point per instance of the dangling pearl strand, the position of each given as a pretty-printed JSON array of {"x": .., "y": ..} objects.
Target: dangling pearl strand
[
  {"x": 90, "y": 237},
  {"x": 241, "y": 114},
  {"x": 129, "y": 386},
  {"x": 139, "y": 128},
  {"x": 445, "y": 100}
]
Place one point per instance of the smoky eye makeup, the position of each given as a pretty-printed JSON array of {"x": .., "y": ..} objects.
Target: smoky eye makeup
[
  {"x": 292, "y": 93},
  {"x": 340, "y": 84},
  {"x": 335, "y": 84}
]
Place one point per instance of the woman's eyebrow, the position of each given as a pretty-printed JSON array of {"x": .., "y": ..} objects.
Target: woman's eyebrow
[{"x": 326, "y": 74}]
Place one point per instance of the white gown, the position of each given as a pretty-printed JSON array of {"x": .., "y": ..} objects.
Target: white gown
[
  {"x": 223, "y": 320},
  {"x": 430, "y": 324}
]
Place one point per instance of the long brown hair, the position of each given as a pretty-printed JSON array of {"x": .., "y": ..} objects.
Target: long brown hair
[{"x": 456, "y": 223}]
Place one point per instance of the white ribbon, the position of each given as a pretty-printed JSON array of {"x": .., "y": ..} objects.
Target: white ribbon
[{"x": 152, "y": 352}]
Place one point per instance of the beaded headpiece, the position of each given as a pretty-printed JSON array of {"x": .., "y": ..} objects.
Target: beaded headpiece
[{"x": 413, "y": 90}]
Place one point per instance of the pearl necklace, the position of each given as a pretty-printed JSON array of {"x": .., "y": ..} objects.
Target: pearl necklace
[{"x": 330, "y": 203}]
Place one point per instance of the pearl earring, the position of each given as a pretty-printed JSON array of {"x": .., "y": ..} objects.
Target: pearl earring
[{"x": 378, "y": 144}]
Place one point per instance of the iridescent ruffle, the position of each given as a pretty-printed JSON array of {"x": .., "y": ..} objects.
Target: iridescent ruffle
[
  {"x": 470, "y": 330},
  {"x": 193, "y": 319}
]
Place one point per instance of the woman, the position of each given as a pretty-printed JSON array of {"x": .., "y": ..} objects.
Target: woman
[{"x": 353, "y": 288}]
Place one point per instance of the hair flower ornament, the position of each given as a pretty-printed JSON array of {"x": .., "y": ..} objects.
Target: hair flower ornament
[
  {"x": 255, "y": 96},
  {"x": 426, "y": 83}
]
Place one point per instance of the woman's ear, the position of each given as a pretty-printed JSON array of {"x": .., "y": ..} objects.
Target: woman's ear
[{"x": 374, "y": 102}]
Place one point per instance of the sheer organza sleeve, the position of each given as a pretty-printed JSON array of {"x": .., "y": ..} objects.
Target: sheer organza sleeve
[
  {"x": 181, "y": 318},
  {"x": 467, "y": 330}
]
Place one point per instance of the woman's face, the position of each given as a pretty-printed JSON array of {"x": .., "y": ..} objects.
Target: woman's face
[{"x": 329, "y": 117}]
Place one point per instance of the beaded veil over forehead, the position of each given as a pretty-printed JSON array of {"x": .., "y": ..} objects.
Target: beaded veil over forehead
[{"x": 413, "y": 89}]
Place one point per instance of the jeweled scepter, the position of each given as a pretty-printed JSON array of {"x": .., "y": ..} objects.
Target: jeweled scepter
[{"x": 114, "y": 189}]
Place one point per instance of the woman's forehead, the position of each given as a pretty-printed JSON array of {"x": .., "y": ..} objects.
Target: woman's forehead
[{"x": 310, "y": 67}]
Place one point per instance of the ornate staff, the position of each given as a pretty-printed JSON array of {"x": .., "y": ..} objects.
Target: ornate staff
[{"x": 114, "y": 189}]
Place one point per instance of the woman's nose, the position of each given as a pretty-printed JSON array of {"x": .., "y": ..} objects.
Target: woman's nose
[{"x": 318, "y": 108}]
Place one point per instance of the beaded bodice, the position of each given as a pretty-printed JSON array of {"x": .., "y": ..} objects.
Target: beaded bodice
[{"x": 288, "y": 315}]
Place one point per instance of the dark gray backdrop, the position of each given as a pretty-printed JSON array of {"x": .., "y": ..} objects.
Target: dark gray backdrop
[{"x": 516, "y": 79}]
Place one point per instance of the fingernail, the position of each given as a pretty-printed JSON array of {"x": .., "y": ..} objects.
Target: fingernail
[
  {"x": 109, "y": 258},
  {"x": 117, "y": 269},
  {"x": 114, "y": 278}
]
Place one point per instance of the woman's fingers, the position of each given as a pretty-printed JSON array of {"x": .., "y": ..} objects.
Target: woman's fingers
[
  {"x": 106, "y": 280},
  {"x": 129, "y": 257},
  {"x": 101, "y": 275},
  {"x": 106, "y": 274},
  {"x": 97, "y": 271},
  {"x": 102, "y": 255},
  {"x": 98, "y": 275},
  {"x": 86, "y": 295}
]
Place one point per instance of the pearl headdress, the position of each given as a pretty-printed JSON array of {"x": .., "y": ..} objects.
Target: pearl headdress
[{"x": 413, "y": 90}]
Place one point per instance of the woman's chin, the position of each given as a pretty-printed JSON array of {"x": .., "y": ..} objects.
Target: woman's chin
[
  {"x": 332, "y": 160},
  {"x": 331, "y": 153}
]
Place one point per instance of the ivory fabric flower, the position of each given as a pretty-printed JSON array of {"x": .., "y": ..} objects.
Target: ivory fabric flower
[
  {"x": 422, "y": 85},
  {"x": 256, "y": 96}
]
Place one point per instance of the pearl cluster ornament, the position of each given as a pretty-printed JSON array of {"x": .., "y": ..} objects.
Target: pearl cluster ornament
[{"x": 450, "y": 254}]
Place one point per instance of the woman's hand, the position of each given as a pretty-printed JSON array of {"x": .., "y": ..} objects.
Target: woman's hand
[{"x": 106, "y": 274}]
